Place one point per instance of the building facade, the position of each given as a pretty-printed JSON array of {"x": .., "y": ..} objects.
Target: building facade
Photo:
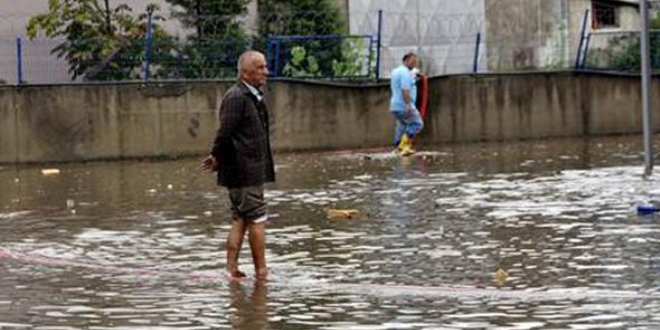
[
  {"x": 464, "y": 36},
  {"x": 451, "y": 36}
]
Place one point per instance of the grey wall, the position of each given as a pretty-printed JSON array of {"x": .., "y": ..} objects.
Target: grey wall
[
  {"x": 78, "y": 123},
  {"x": 531, "y": 34},
  {"x": 527, "y": 106}
]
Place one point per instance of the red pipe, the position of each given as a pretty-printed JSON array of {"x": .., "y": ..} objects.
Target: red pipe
[{"x": 424, "y": 100}]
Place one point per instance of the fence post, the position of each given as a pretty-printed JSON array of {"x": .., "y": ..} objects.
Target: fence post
[
  {"x": 19, "y": 60},
  {"x": 579, "y": 51},
  {"x": 277, "y": 57},
  {"x": 475, "y": 68},
  {"x": 147, "y": 51},
  {"x": 586, "y": 52},
  {"x": 269, "y": 55},
  {"x": 370, "y": 57},
  {"x": 379, "y": 44},
  {"x": 645, "y": 49}
]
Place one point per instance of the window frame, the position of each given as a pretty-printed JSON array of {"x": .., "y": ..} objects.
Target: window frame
[{"x": 597, "y": 20}]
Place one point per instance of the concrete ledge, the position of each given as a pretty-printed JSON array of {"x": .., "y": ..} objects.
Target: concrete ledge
[
  {"x": 61, "y": 123},
  {"x": 8, "y": 126}
]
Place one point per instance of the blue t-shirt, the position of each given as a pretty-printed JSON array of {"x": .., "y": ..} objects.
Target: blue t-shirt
[{"x": 402, "y": 79}]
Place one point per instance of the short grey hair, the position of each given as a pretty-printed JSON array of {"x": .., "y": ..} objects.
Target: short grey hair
[{"x": 243, "y": 58}]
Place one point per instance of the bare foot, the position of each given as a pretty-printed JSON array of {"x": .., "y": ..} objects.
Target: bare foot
[
  {"x": 236, "y": 275},
  {"x": 261, "y": 275}
]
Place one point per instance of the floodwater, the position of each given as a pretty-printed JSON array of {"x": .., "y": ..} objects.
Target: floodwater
[{"x": 140, "y": 245}]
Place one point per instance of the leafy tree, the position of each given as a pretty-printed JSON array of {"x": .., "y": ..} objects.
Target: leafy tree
[
  {"x": 299, "y": 17},
  {"x": 218, "y": 41},
  {"x": 209, "y": 18},
  {"x": 311, "y": 18},
  {"x": 99, "y": 42}
]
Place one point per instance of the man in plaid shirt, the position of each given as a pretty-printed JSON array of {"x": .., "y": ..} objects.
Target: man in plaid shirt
[{"x": 242, "y": 157}]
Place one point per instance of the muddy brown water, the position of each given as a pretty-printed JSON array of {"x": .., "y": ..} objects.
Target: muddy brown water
[{"x": 139, "y": 245}]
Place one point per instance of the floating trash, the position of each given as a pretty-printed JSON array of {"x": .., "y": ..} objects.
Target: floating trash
[
  {"x": 50, "y": 171},
  {"x": 343, "y": 214},
  {"x": 646, "y": 209},
  {"x": 501, "y": 276}
]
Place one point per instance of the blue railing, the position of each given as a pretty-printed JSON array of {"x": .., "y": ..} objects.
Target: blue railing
[{"x": 325, "y": 57}]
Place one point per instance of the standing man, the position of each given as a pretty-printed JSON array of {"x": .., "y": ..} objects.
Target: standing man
[
  {"x": 242, "y": 157},
  {"x": 402, "y": 105}
]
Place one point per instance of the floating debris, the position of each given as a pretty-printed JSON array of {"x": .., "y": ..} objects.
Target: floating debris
[
  {"x": 343, "y": 214},
  {"x": 501, "y": 276},
  {"x": 50, "y": 171}
]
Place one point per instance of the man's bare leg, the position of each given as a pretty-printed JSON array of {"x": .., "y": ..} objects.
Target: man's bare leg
[
  {"x": 257, "y": 236},
  {"x": 234, "y": 244}
]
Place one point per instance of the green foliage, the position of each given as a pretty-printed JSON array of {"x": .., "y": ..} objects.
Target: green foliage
[
  {"x": 627, "y": 50},
  {"x": 218, "y": 42},
  {"x": 301, "y": 65},
  {"x": 354, "y": 60},
  {"x": 303, "y": 18},
  {"x": 299, "y": 17},
  {"x": 206, "y": 58},
  {"x": 209, "y": 18},
  {"x": 100, "y": 43}
]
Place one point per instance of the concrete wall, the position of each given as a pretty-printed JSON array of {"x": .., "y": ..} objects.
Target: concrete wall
[
  {"x": 79, "y": 123},
  {"x": 629, "y": 18},
  {"x": 544, "y": 34},
  {"x": 528, "y": 106},
  {"x": 72, "y": 123},
  {"x": 578, "y": 9},
  {"x": 529, "y": 34}
]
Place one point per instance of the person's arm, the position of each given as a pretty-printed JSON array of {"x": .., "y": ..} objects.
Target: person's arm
[
  {"x": 231, "y": 114},
  {"x": 407, "y": 99},
  {"x": 407, "y": 82}
]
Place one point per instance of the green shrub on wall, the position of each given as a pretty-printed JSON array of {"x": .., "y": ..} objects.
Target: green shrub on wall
[{"x": 624, "y": 51}]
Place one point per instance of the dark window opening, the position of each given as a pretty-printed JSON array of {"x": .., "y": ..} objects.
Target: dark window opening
[{"x": 605, "y": 16}]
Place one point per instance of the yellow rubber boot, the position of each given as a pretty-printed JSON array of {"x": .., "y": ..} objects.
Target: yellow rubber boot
[
  {"x": 410, "y": 146},
  {"x": 404, "y": 146}
]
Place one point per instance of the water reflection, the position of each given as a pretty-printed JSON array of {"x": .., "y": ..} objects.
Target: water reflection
[
  {"x": 138, "y": 245},
  {"x": 249, "y": 309}
]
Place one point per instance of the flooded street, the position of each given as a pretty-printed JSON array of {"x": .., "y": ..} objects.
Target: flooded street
[{"x": 140, "y": 245}]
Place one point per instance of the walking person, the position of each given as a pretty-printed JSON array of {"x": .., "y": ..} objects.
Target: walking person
[
  {"x": 242, "y": 157},
  {"x": 403, "y": 105}
]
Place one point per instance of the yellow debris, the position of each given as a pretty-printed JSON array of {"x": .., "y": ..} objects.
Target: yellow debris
[
  {"x": 501, "y": 277},
  {"x": 343, "y": 214}
]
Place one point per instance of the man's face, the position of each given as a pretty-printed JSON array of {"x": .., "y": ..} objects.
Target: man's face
[
  {"x": 256, "y": 71},
  {"x": 412, "y": 62}
]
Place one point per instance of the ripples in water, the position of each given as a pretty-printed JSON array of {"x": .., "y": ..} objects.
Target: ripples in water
[{"x": 144, "y": 247}]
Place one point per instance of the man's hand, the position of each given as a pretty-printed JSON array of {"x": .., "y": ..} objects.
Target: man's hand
[
  {"x": 210, "y": 164},
  {"x": 409, "y": 108}
]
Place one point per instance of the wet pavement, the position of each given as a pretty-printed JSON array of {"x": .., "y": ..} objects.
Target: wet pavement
[{"x": 140, "y": 245}]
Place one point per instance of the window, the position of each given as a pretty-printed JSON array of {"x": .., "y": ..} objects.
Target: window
[{"x": 605, "y": 16}]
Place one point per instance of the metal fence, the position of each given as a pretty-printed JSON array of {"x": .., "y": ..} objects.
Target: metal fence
[
  {"x": 373, "y": 43},
  {"x": 618, "y": 51},
  {"x": 338, "y": 57}
]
